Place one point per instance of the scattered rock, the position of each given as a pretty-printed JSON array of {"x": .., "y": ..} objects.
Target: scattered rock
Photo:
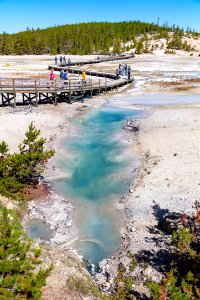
[
  {"x": 170, "y": 222},
  {"x": 131, "y": 125},
  {"x": 100, "y": 278}
]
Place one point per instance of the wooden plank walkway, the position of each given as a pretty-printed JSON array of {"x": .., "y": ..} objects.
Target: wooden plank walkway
[
  {"x": 96, "y": 61},
  {"x": 29, "y": 91},
  {"x": 19, "y": 91},
  {"x": 88, "y": 72}
]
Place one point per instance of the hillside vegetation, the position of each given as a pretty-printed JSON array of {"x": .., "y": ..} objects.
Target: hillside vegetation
[{"x": 97, "y": 37}]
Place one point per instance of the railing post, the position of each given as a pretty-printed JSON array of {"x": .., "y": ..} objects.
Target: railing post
[
  {"x": 14, "y": 93},
  {"x": 82, "y": 90},
  {"x": 105, "y": 84},
  {"x": 91, "y": 91},
  {"x": 70, "y": 95},
  {"x": 36, "y": 93},
  {"x": 55, "y": 102},
  {"x": 99, "y": 86}
]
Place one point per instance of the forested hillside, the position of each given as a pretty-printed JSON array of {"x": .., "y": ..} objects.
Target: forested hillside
[{"x": 85, "y": 38}]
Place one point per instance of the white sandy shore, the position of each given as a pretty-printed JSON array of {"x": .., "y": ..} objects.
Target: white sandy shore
[{"x": 169, "y": 177}]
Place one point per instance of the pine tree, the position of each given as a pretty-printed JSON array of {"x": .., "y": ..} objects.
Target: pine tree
[
  {"x": 139, "y": 48},
  {"x": 18, "y": 261},
  {"x": 18, "y": 170},
  {"x": 117, "y": 47}
]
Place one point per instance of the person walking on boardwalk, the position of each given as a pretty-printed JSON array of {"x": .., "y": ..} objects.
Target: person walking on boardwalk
[
  {"x": 64, "y": 60},
  {"x": 117, "y": 73},
  {"x": 126, "y": 70},
  {"x": 120, "y": 69},
  {"x": 61, "y": 74},
  {"x": 56, "y": 60},
  {"x": 52, "y": 77},
  {"x": 61, "y": 59},
  {"x": 129, "y": 72},
  {"x": 65, "y": 76},
  {"x": 83, "y": 76}
]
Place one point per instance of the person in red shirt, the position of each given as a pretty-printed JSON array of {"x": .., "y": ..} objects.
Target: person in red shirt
[{"x": 52, "y": 76}]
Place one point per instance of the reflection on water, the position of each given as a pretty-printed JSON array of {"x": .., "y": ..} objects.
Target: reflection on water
[{"x": 98, "y": 171}]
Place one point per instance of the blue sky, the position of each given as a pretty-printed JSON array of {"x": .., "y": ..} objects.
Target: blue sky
[{"x": 17, "y": 15}]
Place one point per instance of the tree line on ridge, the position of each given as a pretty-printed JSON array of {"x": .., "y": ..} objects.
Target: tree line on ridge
[{"x": 84, "y": 38}]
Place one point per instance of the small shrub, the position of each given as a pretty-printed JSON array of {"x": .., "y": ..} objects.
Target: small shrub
[
  {"x": 169, "y": 51},
  {"x": 133, "y": 263},
  {"x": 183, "y": 280}
]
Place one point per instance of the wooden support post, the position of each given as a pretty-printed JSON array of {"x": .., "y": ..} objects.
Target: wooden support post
[
  {"x": 56, "y": 96},
  {"x": 70, "y": 92},
  {"x": 105, "y": 84},
  {"x": 14, "y": 93},
  {"x": 82, "y": 91},
  {"x": 99, "y": 86},
  {"x": 36, "y": 93},
  {"x": 91, "y": 88}
]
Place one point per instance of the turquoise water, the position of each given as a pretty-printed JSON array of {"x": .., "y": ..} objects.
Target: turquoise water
[
  {"x": 100, "y": 171},
  {"x": 39, "y": 229}
]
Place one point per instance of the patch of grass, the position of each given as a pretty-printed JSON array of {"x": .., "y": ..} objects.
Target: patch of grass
[
  {"x": 133, "y": 263},
  {"x": 84, "y": 286}
]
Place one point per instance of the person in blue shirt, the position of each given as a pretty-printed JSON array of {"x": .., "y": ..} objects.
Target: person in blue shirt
[
  {"x": 61, "y": 74},
  {"x": 56, "y": 60},
  {"x": 65, "y": 76}
]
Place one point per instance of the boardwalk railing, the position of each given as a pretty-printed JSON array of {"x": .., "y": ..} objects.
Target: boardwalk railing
[{"x": 37, "y": 91}]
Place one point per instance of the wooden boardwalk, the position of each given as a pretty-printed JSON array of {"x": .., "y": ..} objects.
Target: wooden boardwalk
[
  {"x": 88, "y": 72},
  {"x": 21, "y": 91},
  {"x": 96, "y": 61}
]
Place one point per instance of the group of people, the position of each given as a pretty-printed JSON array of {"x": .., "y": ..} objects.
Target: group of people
[
  {"x": 63, "y": 60},
  {"x": 123, "y": 70},
  {"x": 64, "y": 75}
]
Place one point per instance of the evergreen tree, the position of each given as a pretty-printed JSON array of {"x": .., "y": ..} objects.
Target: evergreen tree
[
  {"x": 139, "y": 47},
  {"x": 24, "y": 168},
  {"x": 117, "y": 47}
]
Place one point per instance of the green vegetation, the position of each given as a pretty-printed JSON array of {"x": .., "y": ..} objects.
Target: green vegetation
[
  {"x": 84, "y": 286},
  {"x": 170, "y": 51},
  {"x": 84, "y": 38},
  {"x": 183, "y": 280},
  {"x": 20, "y": 275},
  {"x": 122, "y": 284},
  {"x": 19, "y": 170},
  {"x": 18, "y": 261}
]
